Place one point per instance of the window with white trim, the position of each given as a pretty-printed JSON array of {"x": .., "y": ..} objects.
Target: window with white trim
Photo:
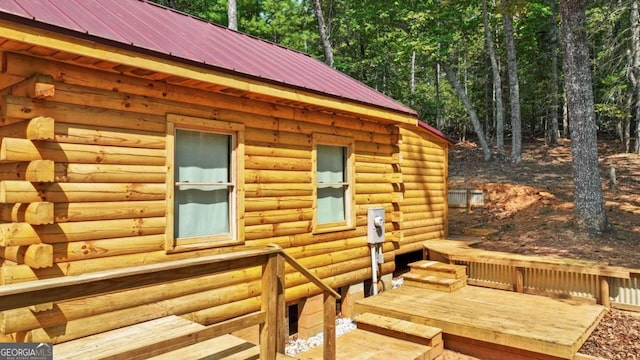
[
  {"x": 333, "y": 189},
  {"x": 203, "y": 183}
]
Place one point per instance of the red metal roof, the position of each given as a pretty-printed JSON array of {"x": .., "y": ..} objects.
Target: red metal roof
[
  {"x": 147, "y": 27},
  {"x": 436, "y": 132}
]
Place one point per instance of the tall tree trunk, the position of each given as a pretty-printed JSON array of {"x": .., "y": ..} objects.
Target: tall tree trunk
[
  {"x": 413, "y": 75},
  {"x": 470, "y": 110},
  {"x": 232, "y": 14},
  {"x": 553, "y": 126},
  {"x": 565, "y": 118},
  {"x": 438, "y": 117},
  {"x": 635, "y": 69},
  {"x": 514, "y": 90},
  {"x": 589, "y": 202},
  {"x": 324, "y": 33},
  {"x": 497, "y": 80}
]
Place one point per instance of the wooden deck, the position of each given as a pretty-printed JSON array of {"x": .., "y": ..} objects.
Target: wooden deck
[
  {"x": 360, "y": 345},
  {"x": 525, "y": 326}
]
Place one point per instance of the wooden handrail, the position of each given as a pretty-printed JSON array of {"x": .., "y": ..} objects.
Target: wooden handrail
[
  {"x": 56, "y": 289},
  {"x": 308, "y": 274},
  {"x": 329, "y": 304}
]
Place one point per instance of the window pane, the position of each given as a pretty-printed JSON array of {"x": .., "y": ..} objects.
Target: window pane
[
  {"x": 202, "y": 157},
  {"x": 201, "y": 211},
  {"x": 331, "y": 170},
  {"x": 331, "y": 164},
  {"x": 331, "y": 206}
]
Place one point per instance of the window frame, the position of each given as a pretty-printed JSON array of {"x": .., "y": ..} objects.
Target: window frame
[
  {"x": 349, "y": 193},
  {"x": 236, "y": 174}
]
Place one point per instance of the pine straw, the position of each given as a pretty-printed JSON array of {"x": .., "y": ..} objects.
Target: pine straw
[{"x": 616, "y": 337}]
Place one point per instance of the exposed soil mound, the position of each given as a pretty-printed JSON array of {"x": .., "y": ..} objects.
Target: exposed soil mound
[{"x": 504, "y": 200}]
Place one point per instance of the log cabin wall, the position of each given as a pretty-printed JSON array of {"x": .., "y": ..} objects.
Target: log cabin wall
[
  {"x": 424, "y": 178},
  {"x": 83, "y": 170}
]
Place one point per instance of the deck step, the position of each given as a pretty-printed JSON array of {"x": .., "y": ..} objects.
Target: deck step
[
  {"x": 434, "y": 282},
  {"x": 226, "y": 347},
  {"x": 126, "y": 342},
  {"x": 436, "y": 268},
  {"x": 360, "y": 344},
  {"x": 402, "y": 329}
]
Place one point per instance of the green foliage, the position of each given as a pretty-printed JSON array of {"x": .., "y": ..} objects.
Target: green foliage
[{"x": 374, "y": 42}]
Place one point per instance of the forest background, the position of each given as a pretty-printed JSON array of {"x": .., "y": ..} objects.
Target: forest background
[{"x": 398, "y": 47}]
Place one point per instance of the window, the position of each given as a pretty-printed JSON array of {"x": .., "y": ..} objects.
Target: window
[
  {"x": 333, "y": 191},
  {"x": 203, "y": 183}
]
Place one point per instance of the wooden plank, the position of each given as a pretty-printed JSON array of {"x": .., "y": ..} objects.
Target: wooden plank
[
  {"x": 35, "y": 213},
  {"x": 188, "y": 295},
  {"x": 38, "y": 86},
  {"x": 434, "y": 282},
  {"x": 329, "y": 320},
  {"x": 38, "y": 128},
  {"x": 360, "y": 345},
  {"x": 89, "y": 211},
  {"x": 488, "y": 351},
  {"x": 14, "y": 149},
  {"x": 17, "y": 108},
  {"x": 25, "y": 234},
  {"x": 552, "y": 327},
  {"x": 227, "y": 347},
  {"x": 55, "y": 289},
  {"x": 112, "y": 343},
  {"x": 271, "y": 292},
  {"x": 32, "y": 171},
  {"x": 460, "y": 251},
  {"x": 35, "y": 256},
  {"x": 436, "y": 268},
  {"x": 27, "y": 192},
  {"x": 415, "y": 332},
  {"x": 195, "y": 336}
]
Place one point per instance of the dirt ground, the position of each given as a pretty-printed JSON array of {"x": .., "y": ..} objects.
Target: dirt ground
[{"x": 530, "y": 205}]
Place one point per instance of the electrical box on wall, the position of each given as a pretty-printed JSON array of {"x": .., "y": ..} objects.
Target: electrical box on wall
[{"x": 375, "y": 225}]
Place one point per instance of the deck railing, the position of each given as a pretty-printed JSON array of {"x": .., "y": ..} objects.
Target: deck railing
[
  {"x": 563, "y": 278},
  {"x": 270, "y": 318}
]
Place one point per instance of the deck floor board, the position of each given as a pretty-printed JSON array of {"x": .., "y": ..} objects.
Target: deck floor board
[
  {"x": 534, "y": 323},
  {"x": 364, "y": 345}
]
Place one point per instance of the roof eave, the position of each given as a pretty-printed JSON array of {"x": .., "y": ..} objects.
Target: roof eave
[
  {"x": 436, "y": 132},
  {"x": 48, "y": 36}
]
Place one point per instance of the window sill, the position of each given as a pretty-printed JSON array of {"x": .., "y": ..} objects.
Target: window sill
[
  {"x": 332, "y": 228},
  {"x": 179, "y": 248}
]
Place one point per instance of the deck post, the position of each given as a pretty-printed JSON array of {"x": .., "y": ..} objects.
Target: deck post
[
  {"x": 604, "y": 292},
  {"x": 268, "y": 330},
  {"x": 329, "y": 327},
  {"x": 283, "y": 319},
  {"x": 519, "y": 280}
]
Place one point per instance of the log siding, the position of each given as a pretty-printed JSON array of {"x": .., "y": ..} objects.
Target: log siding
[{"x": 85, "y": 185}]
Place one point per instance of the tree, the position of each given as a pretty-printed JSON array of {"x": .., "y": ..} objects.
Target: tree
[
  {"x": 588, "y": 198},
  {"x": 514, "y": 89},
  {"x": 453, "y": 79},
  {"x": 232, "y": 14},
  {"x": 634, "y": 73},
  {"x": 497, "y": 80},
  {"x": 324, "y": 33},
  {"x": 553, "y": 126}
]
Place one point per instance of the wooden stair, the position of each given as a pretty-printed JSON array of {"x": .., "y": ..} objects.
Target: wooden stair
[
  {"x": 405, "y": 330},
  {"x": 435, "y": 275},
  {"x": 170, "y": 337},
  {"x": 360, "y": 344}
]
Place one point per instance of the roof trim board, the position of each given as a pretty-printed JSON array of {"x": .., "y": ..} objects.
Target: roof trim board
[{"x": 83, "y": 47}]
